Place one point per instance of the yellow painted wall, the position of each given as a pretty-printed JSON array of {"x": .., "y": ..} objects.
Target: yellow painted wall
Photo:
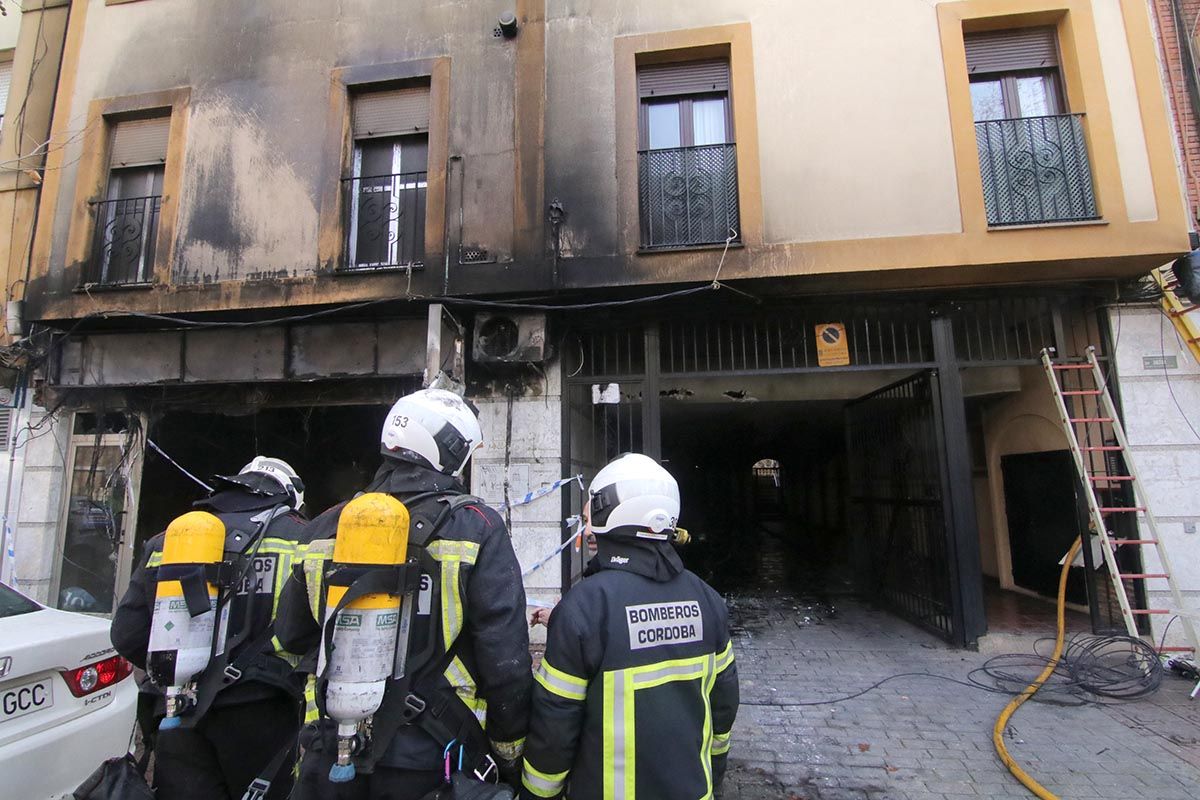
[{"x": 1126, "y": 118}]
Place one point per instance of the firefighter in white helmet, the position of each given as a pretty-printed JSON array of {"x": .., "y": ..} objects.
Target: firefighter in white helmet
[
  {"x": 639, "y": 628},
  {"x": 462, "y": 706},
  {"x": 246, "y": 707}
]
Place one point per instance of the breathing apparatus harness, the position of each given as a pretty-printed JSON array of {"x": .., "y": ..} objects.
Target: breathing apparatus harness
[
  {"x": 407, "y": 700},
  {"x": 228, "y": 575}
]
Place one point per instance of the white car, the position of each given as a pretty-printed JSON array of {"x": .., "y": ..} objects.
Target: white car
[{"x": 67, "y": 701}]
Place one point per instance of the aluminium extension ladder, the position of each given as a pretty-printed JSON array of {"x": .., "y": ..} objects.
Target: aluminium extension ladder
[{"x": 1103, "y": 461}]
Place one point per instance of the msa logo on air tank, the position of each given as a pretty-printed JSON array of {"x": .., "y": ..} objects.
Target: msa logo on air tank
[{"x": 664, "y": 623}]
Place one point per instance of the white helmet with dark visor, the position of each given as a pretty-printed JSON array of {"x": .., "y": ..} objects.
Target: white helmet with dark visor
[
  {"x": 434, "y": 428},
  {"x": 634, "y": 496}
]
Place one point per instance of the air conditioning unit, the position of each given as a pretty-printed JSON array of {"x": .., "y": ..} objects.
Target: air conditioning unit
[{"x": 502, "y": 338}]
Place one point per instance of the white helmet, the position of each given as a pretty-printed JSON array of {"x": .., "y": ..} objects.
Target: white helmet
[
  {"x": 633, "y": 494},
  {"x": 265, "y": 475},
  {"x": 434, "y": 428}
]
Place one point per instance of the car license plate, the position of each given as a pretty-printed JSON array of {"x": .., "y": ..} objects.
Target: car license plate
[{"x": 26, "y": 699}]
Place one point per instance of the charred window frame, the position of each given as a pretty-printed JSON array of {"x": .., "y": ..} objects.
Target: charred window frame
[
  {"x": 385, "y": 192},
  {"x": 127, "y": 218}
]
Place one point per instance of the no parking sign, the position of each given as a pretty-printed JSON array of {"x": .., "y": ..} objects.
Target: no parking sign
[{"x": 832, "y": 349}]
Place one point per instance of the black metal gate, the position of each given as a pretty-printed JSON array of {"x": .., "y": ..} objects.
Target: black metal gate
[{"x": 898, "y": 515}]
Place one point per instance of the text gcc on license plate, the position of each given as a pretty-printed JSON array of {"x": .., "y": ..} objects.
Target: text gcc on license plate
[{"x": 27, "y": 698}]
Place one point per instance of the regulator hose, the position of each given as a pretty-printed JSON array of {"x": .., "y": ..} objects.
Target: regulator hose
[{"x": 1032, "y": 689}]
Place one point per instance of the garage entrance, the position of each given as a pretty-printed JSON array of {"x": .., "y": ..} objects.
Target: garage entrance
[{"x": 869, "y": 475}]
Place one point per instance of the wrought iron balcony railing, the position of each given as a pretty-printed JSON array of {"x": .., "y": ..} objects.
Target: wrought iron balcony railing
[
  {"x": 385, "y": 221},
  {"x": 126, "y": 231},
  {"x": 688, "y": 195},
  {"x": 1035, "y": 170}
]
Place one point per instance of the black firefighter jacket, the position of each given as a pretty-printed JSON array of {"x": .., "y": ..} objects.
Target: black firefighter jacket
[
  {"x": 481, "y": 658},
  {"x": 272, "y": 563},
  {"x": 638, "y": 691}
]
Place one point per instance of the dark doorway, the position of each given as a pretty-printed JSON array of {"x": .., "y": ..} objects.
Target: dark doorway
[
  {"x": 1043, "y": 520},
  {"x": 761, "y": 485},
  {"x": 335, "y": 449}
]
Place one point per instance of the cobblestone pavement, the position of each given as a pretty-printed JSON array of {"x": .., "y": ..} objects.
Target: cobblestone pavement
[{"x": 923, "y": 738}]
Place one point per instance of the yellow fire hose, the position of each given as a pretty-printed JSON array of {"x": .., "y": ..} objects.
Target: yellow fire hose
[{"x": 1032, "y": 689}]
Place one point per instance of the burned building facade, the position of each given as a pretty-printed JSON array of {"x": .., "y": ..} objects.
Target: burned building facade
[{"x": 807, "y": 254}]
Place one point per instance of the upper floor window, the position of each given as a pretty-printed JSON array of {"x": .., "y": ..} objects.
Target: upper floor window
[
  {"x": 386, "y": 190},
  {"x": 126, "y": 229},
  {"x": 1032, "y": 153},
  {"x": 687, "y": 159},
  {"x": 5, "y": 82}
]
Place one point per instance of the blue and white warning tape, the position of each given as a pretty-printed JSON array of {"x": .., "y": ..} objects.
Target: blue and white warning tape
[
  {"x": 537, "y": 494},
  {"x": 576, "y": 531}
]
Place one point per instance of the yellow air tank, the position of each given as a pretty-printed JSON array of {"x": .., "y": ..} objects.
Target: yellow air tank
[
  {"x": 372, "y": 531},
  {"x": 181, "y": 644}
]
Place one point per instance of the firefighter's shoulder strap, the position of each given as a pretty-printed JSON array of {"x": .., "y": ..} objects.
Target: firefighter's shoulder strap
[
  {"x": 419, "y": 703},
  {"x": 222, "y": 672}
]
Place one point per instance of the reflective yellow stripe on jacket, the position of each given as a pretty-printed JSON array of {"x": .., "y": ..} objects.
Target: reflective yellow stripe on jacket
[
  {"x": 464, "y": 686},
  {"x": 560, "y": 683},
  {"x": 720, "y": 743},
  {"x": 451, "y": 555},
  {"x": 315, "y": 554},
  {"x": 542, "y": 784},
  {"x": 620, "y": 747}
]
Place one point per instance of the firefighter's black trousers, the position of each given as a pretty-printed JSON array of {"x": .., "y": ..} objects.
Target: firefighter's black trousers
[
  {"x": 217, "y": 759},
  {"x": 385, "y": 783}
]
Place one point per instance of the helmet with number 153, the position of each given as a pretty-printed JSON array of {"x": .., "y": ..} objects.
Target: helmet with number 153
[{"x": 434, "y": 428}]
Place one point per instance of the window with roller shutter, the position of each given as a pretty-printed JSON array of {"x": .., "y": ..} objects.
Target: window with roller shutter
[
  {"x": 385, "y": 193},
  {"x": 126, "y": 231},
  {"x": 1033, "y": 154},
  {"x": 687, "y": 159},
  {"x": 5, "y": 83}
]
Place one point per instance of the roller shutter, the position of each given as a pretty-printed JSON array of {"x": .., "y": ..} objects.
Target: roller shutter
[
  {"x": 139, "y": 142},
  {"x": 391, "y": 113},
  {"x": 691, "y": 77},
  {"x": 1011, "y": 50}
]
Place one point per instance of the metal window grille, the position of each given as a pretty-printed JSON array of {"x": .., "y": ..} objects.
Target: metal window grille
[
  {"x": 1003, "y": 329},
  {"x": 6, "y": 416},
  {"x": 1035, "y": 170},
  {"x": 616, "y": 351},
  {"x": 688, "y": 195},
  {"x": 386, "y": 221},
  {"x": 123, "y": 247},
  {"x": 786, "y": 341}
]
